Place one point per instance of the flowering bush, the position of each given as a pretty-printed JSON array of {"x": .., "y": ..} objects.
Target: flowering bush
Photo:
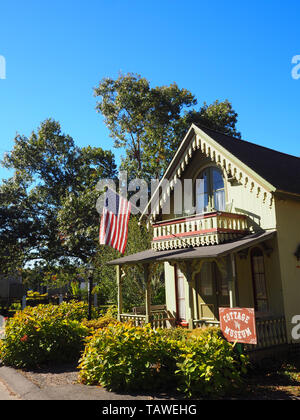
[
  {"x": 124, "y": 357},
  {"x": 43, "y": 334},
  {"x": 109, "y": 317},
  {"x": 208, "y": 365}
]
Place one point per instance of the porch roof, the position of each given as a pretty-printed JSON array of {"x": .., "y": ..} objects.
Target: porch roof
[{"x": 210, "y": 251}]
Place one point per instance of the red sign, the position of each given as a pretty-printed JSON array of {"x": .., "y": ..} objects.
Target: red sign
[{"x": 238, "y": 325}]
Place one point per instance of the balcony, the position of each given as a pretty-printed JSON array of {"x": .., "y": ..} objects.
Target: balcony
[{"x": 205, "y": 229}]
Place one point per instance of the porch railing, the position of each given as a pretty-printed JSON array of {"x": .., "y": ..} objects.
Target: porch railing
[
  {"x": 270, "y": 332},
  {"x": 137, "y": 320},
  {"x": 200, "y": 323},
  {"x": 158, "y": 319}
]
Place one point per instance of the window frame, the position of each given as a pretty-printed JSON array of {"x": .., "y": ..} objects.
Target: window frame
[
  {"x": 211, "y": 192},
  {"x": 256, "y": 298}
]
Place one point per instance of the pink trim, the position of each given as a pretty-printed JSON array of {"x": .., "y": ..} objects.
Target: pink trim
[
  {"x": 204, "y": 216},
  {"x": 197, "y": 232}
]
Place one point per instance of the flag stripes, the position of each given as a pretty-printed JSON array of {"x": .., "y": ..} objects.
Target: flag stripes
[{"x": 114, "y": 221}]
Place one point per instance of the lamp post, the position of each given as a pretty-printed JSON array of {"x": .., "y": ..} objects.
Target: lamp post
[{"x": 90, "y": 270}]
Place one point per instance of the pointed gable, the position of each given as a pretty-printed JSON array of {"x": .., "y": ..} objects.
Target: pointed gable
[{"x": 261, "y": 170}]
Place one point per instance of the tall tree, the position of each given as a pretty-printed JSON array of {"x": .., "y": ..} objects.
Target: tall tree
[
  {"x": 49, "y": 169},
  {"x": 150, "y": 122},
  {"x": 138, "y": 115}
]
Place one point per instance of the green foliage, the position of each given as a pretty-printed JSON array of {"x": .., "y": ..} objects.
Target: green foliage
[
  {"x": 137, "y": 116},
  {"x": 128, "y": 358},
  {"x": 36, "y": 298},
  {"x": 151, "y": 122},
  {"x": 123, "y": 357},
  {"x": 44, "y": 334},
  {"x": 109, "y": 318},
  {"x": 133, "y": 291},
  {"x": 208, "y": 365},
  {"x": 48, "y": 206}
]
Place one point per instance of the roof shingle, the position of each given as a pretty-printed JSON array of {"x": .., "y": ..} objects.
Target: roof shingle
[{"x": 279, "y": 169}]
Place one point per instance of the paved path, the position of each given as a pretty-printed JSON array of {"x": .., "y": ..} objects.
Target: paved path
[
  {"x": 6, "y": 394},
  {"x": 14, "y": 385}
]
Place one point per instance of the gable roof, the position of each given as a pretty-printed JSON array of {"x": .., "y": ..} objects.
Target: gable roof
[
  {"x": 279, "y": 169},
  {"x": 275, "y": 171}
]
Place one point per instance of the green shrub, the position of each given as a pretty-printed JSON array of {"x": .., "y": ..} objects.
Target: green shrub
[
  {"x": 208, "y": 365},
  {"x": 128, "y": 358},
  {"x": 124, "y": 357},
  {"x": 102, "y": 322},
  {"x": 106, "y": 318},
  {"x": 43, "y": 334},
  {"x": 75, "y": 311}
]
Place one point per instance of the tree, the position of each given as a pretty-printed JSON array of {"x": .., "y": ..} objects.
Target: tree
[
  {"x": 219, "y": 116},
  {"x": 151, "y": 122},
  {"x": 133, "y": 289},
  {"x": 138, "y": 115},
  {"x": 49, "y": 172}
]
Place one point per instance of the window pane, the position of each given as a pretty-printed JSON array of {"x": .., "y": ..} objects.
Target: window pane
[
  {"x": 224, "y": 287},
  {"x": 261, "y": 264},
  {"x": 262, "y": 305},
  {"x": 202, "y": 203},
  {"x": 218, "y": 190},
  {"x": 218, "y": 182},
  {"x": 219, "y": 200},
  {"x": 202, "y": 193},
  {"x": 259, "y": 281},
  {"x": 206, "y": 280},
  {"x": 260, "y": 286}
]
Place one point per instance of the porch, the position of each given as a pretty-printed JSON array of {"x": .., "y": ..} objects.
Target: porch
[
  {"x": 271, "y": 331},
  {"x": 200, "y": 302}
]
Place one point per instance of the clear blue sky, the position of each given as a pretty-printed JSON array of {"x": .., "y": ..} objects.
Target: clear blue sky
[{"x": 57, "y": 51}]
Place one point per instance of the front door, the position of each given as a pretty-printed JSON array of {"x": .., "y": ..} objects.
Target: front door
[{"x": 212, "y": 291}]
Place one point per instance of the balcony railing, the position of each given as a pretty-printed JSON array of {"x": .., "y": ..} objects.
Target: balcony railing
[{"x": 206, "y": 229}]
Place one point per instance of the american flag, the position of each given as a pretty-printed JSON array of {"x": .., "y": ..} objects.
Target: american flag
[{"x": 114, "y": 221}]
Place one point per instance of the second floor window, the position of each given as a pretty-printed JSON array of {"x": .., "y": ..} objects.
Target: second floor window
[{"x": 210, "y": 191}]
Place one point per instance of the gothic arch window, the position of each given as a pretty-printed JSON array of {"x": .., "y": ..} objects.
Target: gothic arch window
[{"x": 210, "y": 191}]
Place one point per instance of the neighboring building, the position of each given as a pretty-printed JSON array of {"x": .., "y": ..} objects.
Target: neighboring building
[
  {"x": 241, "y": 248},
  {"x": 11, "y": 286}
]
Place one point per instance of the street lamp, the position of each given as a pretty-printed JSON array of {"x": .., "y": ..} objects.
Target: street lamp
[{"x": 90, "y": 271}]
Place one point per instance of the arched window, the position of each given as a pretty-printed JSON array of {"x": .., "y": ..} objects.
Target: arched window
[
  {"x": 210, "y": 191},
  {"x": 259, "y": 280}
]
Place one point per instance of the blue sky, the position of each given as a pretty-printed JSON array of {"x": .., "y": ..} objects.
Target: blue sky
[{"x": 57, "y": 51}]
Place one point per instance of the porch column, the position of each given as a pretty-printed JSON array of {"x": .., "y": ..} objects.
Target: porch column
[
  {"x": 190, "y": 300},
  {"x": 232, "y": 281},
  {"x": 120, "y": 297},
  {"x": 148, "y": 293}
]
